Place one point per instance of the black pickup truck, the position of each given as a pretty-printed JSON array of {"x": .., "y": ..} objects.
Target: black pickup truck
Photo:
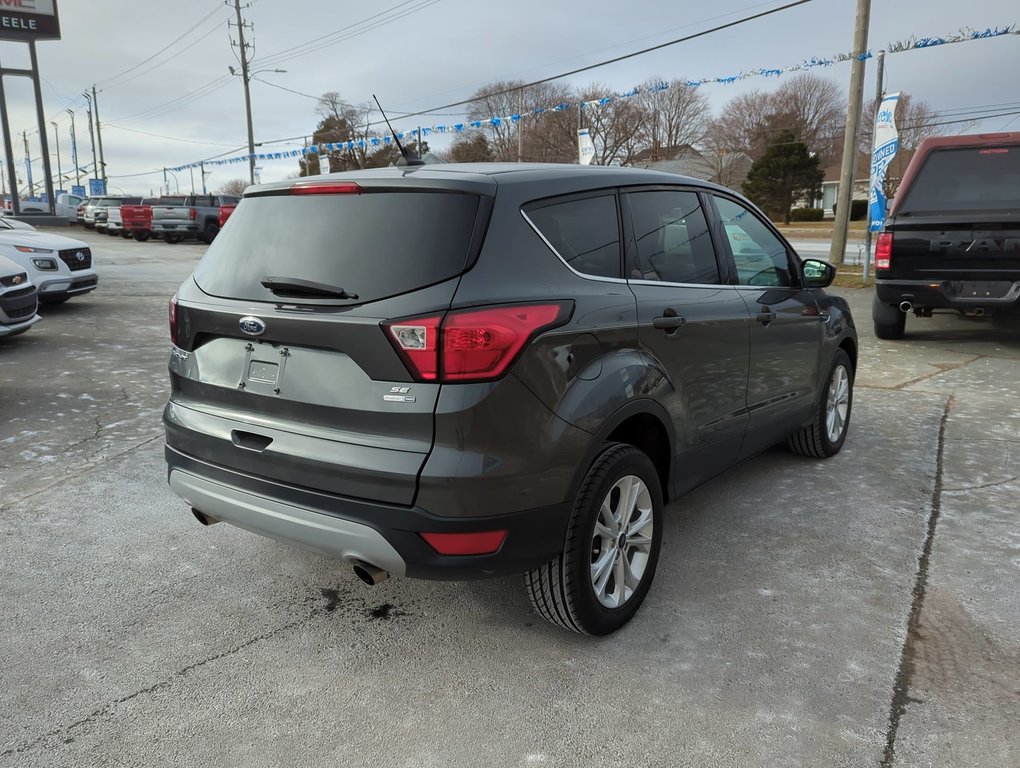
[{"x": 952, "y": 240}]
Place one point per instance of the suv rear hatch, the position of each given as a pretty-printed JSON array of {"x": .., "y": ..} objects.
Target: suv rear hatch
[
  {"x": 957, "y": 221},
  {"x": 282, "y": 367}
]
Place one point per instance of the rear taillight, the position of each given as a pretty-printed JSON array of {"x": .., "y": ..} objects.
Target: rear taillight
[
  {"x": 883, "y": 251},
  {"x": 173, "y": 319},
  {"x": 192, "y": 214},
  {"x": 472, "y": 344}
]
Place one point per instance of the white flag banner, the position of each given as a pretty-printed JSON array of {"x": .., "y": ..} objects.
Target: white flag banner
[
  {"x": 585, "y": 147},
  {"x": 886, "y": 143},
  {"x": 323, "y": 162}
]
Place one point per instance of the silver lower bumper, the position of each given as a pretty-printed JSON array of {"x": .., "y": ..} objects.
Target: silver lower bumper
[{"x": 330, "y": 536}]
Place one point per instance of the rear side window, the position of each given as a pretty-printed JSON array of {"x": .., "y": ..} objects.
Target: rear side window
[
  {"x": 374, "y": 245},
  {"x": 671, "y": 236},
  {"x": 971, "y": 179},
  {"x": 585, "y": 232}
]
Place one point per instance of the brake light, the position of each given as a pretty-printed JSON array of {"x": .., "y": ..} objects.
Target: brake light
[
  {"x": 480, "y": 543},
  {"x": 173, "y": 319},
  {"x": 883, "y": 251},
  {"x": 192, "y": 214},
  {"x": 472, "y": 344},
  {"x": 326, "y": 188}
]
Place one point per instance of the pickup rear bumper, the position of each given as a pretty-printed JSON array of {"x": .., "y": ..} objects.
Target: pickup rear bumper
[{"x": 970, "y": 297}]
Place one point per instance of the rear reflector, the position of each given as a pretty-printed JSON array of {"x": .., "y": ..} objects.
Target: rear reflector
[
  {"x": 883, "y": 251},
  {"x": 326, "y": 188},
  {"x": 483, "y": 543},
  {"x": 473, "y": 344}
]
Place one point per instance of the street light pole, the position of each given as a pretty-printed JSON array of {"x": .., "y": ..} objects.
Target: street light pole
[
  {"x": 92, "y": 138},
  {"x": 60, "y": 172}
]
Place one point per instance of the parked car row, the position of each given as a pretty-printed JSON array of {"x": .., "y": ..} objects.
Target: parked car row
[
  {"x": 168, "y": 218},
  {"x": 39, "y": 268}
]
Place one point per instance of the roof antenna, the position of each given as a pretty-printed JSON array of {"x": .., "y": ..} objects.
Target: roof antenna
[{"x": 407, "y": 157}]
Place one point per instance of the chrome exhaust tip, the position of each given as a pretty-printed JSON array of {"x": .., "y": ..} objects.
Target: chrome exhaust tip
[
  {"x": 203, "y": 518},
  {"x": 906, "y": 306},
  {"x": 369, "y": 574}
]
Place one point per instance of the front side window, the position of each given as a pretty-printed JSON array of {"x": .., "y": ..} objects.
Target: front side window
[
  {"x": 672, "y": 242},
  {"x": 760, "y": 256},
  {"x": 585, "y": 232}
]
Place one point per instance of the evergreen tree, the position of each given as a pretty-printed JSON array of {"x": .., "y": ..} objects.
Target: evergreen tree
[{"x": 784, "y": 175}]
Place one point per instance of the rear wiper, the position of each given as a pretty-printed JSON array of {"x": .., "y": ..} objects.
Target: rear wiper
[{"x": 293, "y": 286}]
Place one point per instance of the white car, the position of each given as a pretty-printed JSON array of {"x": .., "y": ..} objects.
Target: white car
[
  {"x": 18, "y": 302},
  {"x": 60, "y": 267}
]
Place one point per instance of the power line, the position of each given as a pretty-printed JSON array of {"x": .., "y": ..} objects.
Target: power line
[
  {"x": 373, "y": 22},
  {"x": 169, "y": 138},
  {"x": 156, "y": 66},
  {"x": 686, "y": 38},
  {"x": 289, "y": 90},
  {"x": 169, "y": 45}
]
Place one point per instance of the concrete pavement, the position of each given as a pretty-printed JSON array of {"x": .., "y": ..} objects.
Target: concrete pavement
[{"x": 858, "y": 611}]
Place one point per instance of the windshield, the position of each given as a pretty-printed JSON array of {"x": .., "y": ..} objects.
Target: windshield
[
  {"x": 971, "y": 179},
  {"x": 374, "y": 245}
]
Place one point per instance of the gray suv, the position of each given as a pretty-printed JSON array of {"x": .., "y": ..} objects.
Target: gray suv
[{"x": 460, "y": 371}]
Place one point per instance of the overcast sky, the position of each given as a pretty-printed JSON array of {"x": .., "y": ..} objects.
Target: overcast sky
[{"x": 424, "y": 53}]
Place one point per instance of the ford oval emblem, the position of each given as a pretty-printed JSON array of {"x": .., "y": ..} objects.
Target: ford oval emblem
[{"x": 252, "y": 326}]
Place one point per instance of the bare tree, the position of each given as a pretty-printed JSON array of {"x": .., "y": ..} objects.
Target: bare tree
[
  {"x": 728, "y": 164},
  {"x": 676, "y": 115},
  {"x": 234, "y": 187},
  {"x": 549, "y": 137},
  {"x": 615, "y": 126},
  {"x": 812, "y": 107},
  {"x": 743, "y": 124},
  {"x": 339, "y": 122}
]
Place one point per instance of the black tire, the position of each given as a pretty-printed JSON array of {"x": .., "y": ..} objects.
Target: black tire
[
  {"x": 141, "y": 236},
  {"x": 889, "y": 320},
  {"x": 563, "y": 591},
  {"x": 172, "y": 239},
  {"x": 211, "y": 230},
  {"x": 815, "y": 441}
]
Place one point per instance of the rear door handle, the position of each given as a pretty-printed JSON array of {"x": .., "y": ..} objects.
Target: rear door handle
[
  {"x": 766, "y": 316},
  {"x": 669, "y": 321}
]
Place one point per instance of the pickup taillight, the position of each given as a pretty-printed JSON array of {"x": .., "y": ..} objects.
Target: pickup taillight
[
  {"x": 883, "y": 251},
  {"x": 192, "y": 214}
]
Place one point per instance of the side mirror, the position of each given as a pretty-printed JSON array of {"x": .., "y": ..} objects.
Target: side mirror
[{"x": 816, "y": 274}]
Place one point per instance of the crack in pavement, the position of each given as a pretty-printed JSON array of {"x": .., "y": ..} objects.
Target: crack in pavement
[
  {"x": 906, "y": 669},
  {"x": 979, "y": 487},
  {"x": 333, "y": 601}
]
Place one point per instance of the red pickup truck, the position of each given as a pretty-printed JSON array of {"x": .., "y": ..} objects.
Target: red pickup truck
[{"x": 137, "y": 219}]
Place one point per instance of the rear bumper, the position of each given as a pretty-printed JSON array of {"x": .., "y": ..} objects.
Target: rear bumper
[
  {"x": 968, "y": 297},
  {"x": 384, "y": 535},
  {"x": 174, "y": 229}
]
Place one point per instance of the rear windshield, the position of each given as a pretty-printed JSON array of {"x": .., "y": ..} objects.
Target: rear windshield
[
  {"x": 170, "y": 201},
  {"x": 972, "y": 179},
  {"x": 374, "y": 245}
]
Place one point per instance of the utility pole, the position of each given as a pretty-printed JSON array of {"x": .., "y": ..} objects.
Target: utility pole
[
  {"x": 201, "y": 167},
  {"x": 92, "y": 137},
  {"x": 520, "y": 125},
  {"x": 874, "y": 126},
  {"x": 28, "y": 166},
  {"x": 60, "y": 172},
  {"x": 853, "y": 122},
  {"x": 243, "y": 47},
  {"x": 99, "y": 135},
  {"x": 74, "y": 151}
]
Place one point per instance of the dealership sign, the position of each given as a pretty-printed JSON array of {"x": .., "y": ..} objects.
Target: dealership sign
[{"x": 29, "y": 20}]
